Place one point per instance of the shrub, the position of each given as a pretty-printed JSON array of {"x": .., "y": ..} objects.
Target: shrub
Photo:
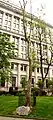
[
  {"x": 42, "y": 92},
  {"x": 11, "y": 90},
  {"x": 21, "y": 100},
  {"x": 35, "y": 89},
  {"x": 39, "y": 83},
  {"x": 50, "y": 83},
  {"x": 39, "y": 91},
  {"x": 4, "y": 93},
  {"x": 15, "y": 93}
]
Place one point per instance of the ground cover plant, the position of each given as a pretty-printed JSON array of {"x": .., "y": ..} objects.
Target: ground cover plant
[{"x": 42, "y": 110}]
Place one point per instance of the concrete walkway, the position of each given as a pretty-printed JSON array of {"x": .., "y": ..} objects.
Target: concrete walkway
[{"x": 10, "y": 118}]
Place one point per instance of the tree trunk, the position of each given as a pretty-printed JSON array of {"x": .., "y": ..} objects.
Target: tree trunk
[
  {"x": 41, "y": 61},
  {"x": 42, "y": 83},
  {"x": 28, "y": 93}
]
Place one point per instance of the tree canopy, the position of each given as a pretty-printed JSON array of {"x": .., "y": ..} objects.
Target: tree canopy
[{"x": 6, "y": 52}]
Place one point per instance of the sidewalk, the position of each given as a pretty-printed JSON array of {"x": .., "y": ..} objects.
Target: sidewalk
[{"x": 10, "y": 118}]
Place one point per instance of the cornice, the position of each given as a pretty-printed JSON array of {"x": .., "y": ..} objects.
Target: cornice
[
  {"x": 16, "y": 9},
  {"x": 10, "y": 6}
]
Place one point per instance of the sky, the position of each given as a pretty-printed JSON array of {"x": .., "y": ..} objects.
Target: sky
[{"x": 36, "y": 6}]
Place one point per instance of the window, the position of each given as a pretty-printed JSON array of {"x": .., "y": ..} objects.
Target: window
[
  {"x": 25, "y": 57},
  {"x": 33, "y": 81},
  {"x": 38, "y": 70},
  {"x": 52, "y": 72},
  {"x": 45, "y": 70},
  {"x": 23, "y": 77},
  {"x": 22, "y": 41},
  {"x": 39, "y": 79},
  {"x": 23, "y": 80},
  {"x": 15, "y": 66},
  {"x": 21, "y": 67},
  {"x": 32, "y": 44},
  {"x": 44, "y": 47},
  {"x": 7, "y": 23},
  {"x": 33, "y": 69},
  {"x": 16, "y": 24},
  {"x": 22, "y": 56},
  {"x": 1, "y": 14},
  {"x": 13, "y": 81},
  {"x": 23, "y": 49},
  {"x": 12, "y": 65},
  {"x": 24, "y": 67},
  {"x": 15, "y": 53},
  {"x": 28, "y": 27},
  {"x": 16, "y": 41},
  {"x": 38, "y": 45},
  {"x": 22, "y": 31},
  {"x": 1, "y": 18}
]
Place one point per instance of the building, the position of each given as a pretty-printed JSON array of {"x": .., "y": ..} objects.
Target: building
[{"x": 11, "y": 22}]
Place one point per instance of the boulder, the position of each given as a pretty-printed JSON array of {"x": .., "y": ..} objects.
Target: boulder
[
  {"x": 23, "y": 110},
  {"x": 49, "y": 94}
]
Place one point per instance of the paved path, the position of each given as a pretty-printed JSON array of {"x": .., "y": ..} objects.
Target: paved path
[{"x": 10, "y": 118}]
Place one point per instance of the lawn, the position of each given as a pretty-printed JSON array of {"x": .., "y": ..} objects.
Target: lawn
[
  {"x": 8, "y": 104},
  {"x": 43, "y": 109}
]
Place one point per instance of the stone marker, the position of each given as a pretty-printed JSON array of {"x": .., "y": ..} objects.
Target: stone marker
[{"x": 23, "y": 110}]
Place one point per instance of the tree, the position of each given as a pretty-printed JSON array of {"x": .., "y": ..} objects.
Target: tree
[
  {"x": 31, "y": 52},
  {"x": 6, "y": 52},
  {"x": 41, "y": 33},
  {"x": 45, "y": 40}
]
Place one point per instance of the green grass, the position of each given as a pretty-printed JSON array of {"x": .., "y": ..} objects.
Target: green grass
[
  {"x": 42, "y": 110},
  {"x": 8, "y": 104}
]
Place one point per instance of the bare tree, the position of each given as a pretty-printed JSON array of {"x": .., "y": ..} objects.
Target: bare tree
[
  {"x": 30, "y": 52},
  {"x": 41, "y": 30},
  {"x": 45, "y": 39}
]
